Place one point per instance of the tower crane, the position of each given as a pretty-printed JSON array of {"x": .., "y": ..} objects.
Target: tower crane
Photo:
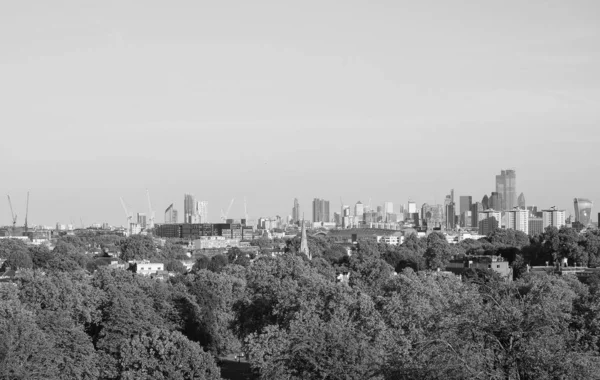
[
  {"x": 225, "y": 214},
  {"x": 14, "y": 217},
  {"x": 127, "y": 214},
  {"x": 151, "y": 212},
  {"x": 26, "y": 212},
  {"x": 245, "y": 210}
]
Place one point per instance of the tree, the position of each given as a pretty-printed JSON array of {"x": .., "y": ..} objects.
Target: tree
[
  {"x": 137, "y": 247},
  {"x": 202, "y": 262},
  {"x": 18, "y": 260},
  {"x": 217, "y": 263},
  {"x": 26, "y": 352},
  {"x": 8, "y": 246},
  {"x": 438, "y": 251},
  {"x": 160, "y": 354},
  {"x": 175, "y": 266}
]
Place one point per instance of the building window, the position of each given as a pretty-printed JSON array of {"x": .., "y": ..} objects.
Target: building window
[{"x": 497, "y": 266}]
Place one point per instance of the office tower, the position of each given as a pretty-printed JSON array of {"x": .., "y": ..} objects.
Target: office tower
[
  {"x": 521, "y": 201},
  {"x": 359, "y": 210},
  {"x": 388, "y": 207},
  {"x": 296, "y": 211},
  {"x": 465, "y": 203},
  {"x": 201, "y": 214},
  {"x": 485, "y": 202},
  {"x": 320, "y": 210},
  {"x": 170, "y": 215},
  {"x": 553, "y": 217},
  {"x": 476, "y": 208},
  {"x": 506, "y": 186},
  {"x": 450, "y": 216},
  {"x": 583, "y": 211},
  {"x": 489, "y": 220},
  {"x": 465, "y": 207},
  {"x": 412, "y": 207},
  {"x": 518, "y": 219},
  {"x": 141, "y": 219},
  {"x": 495, "y": 201},
  {"x": 189, "y": 208}
]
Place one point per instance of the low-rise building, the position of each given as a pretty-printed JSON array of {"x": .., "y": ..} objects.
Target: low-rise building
[
  {"x": 146, "y": 268},
  {"x": 495, "y": 263}
]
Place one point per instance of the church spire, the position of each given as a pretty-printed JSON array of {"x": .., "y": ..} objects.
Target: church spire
[{"x": 304, "y": 242}]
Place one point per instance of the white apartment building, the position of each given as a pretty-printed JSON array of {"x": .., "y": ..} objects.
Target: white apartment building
[
  {"x": 553, "y": 217},
  {"x": 518, "y": 219}
]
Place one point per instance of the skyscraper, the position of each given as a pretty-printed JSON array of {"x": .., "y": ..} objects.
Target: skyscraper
[
  {"x": 495, "y": 201},
  {"x": 583, "y": 210},
  {"x": 412, "y": 207},
  {"x": 476, "y": 208},
  {"x": 201, "y": 212},
  {"x": 296, "y": 211},
  {"x": 506, "y": 186},
  {"x": 320, "y": 210},
  {"x": 485, "y": 202},
  {"x": 465, "y": 203},
  {"x": 189, "y": 208},
  {"x": 489, "y": 220},
  {"x": 170, "y": 215},
  {"x": 359, "y": 210},
  {"x": 521, "y": 202}
]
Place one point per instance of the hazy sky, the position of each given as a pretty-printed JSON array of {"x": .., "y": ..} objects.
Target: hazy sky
[{"x": 276, "y": 99}]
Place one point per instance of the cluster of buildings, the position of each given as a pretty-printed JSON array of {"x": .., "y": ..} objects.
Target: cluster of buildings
[{"x": 503, "y": 208}]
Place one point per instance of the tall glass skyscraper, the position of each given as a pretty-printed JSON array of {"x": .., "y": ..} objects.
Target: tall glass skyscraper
[
  {"x": 583, "y": 211},
  {"x": 320, "y": 210},
  {"x": 506, "y": 186}
]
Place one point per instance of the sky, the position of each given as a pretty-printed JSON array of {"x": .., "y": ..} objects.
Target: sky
[{"x": 275, "y": 100}]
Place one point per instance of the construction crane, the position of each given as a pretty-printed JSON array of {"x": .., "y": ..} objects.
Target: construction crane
[
  {"x": 26, "y": 212},
  {"x": 127, "y": 214},
  {"x": 81, "y": 220},
  {"x": 225, "y": 214},
  {"x": 14, "y": 217},
  {"x": 245, "y": 210},
  {"x": 151, "y": 212}
]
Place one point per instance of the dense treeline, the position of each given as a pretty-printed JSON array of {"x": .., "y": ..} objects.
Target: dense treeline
[{"x": 394, "y": 319}]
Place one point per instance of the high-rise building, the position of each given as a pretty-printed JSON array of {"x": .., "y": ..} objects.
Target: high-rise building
[
  {"x": 553, "y": 217},
  {"x": 359, "y": 210},
  {"x": 412, "y": 207},
  {"x": 189, "y": 208},
  {"x": 489, "y": 220},
  {"x": 485, "y": 202},
  {"x": 465, "y": 202},
  {"x": 506, "y": 186},
  {"x": 201, "y": 212},
  {"x": 521, "y": 201},
  {"x": 518, "y": 219},
  {"x": 388, "y": 207},
  {"x": 495, "y": 201},
  {"x": 476, "y": 208},
  {"x": 320, "y": 210},
  {"x": 141, "y": 219},
  {"x": 170, "y": 215},
  {"x": 450, "y": 216},
  {"x": 583, "y": 211},
  {"x": 296, "y": 211}
]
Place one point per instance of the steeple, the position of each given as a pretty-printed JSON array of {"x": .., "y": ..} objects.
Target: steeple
[{"x": 304, "y": 242}]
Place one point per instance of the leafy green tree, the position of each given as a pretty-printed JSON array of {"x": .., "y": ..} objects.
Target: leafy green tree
[
  {"x": 202, "y": 262},
  {"x": 137, "y": 247},
  {"x": 18, "y": 260},
  {"x": 9, "y": 246},
  {"x": 438, "y": 251},
  {"x": 175, "y": 266},
  {"x": 26, "y": 352},
  {"x": 217, "y": 263},
  {"x": 160, "y": 354},
  {"x": 173, "y": 251}
]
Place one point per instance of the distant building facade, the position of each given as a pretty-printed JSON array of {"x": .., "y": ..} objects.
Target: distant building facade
[
  {"x": 536, "y": 226},
  {"x": 320, "y": 211},
  {"x": 489, "y": 220},
  {"x": 506, "y": 186},
  {"x": 170, "y": 215},
  {"x": 518, "y": 219},
  {"x": 553, "y": 217},
  {"x": 583, "y": 211}
]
